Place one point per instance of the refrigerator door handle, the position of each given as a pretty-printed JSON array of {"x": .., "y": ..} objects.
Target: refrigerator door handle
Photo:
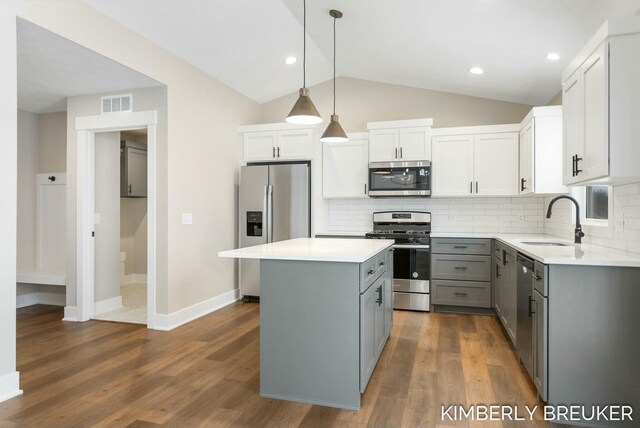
[
  {"x": 265, "y": 207},
  {"x": 269, "y": 213}
]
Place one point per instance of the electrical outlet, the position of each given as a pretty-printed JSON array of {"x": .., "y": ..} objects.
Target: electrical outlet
[
  {"x": 521, "y": 218},
  {"x": 187, "y": 219}
]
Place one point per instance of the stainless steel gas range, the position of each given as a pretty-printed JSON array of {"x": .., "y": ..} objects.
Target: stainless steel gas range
[{"x": 411, "y": 255}]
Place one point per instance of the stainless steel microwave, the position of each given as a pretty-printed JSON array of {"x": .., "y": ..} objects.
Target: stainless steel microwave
[{"x": 398, "y": 179}]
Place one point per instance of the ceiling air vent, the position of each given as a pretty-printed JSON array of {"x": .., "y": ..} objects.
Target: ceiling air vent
[{"x": 117, "y": 103}]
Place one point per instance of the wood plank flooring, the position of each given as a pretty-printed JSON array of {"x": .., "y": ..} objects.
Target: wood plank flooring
[{"x": 206, "y": 373}]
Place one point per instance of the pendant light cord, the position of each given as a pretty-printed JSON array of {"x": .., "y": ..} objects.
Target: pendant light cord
[
  {"x": 334, "y": 65},
  {"x": 304, "y": 43}
]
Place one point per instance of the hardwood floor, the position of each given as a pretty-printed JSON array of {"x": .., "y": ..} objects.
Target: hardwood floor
[{"x": 206, "y": 373}]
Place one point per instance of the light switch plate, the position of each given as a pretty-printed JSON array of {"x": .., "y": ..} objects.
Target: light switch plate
[{"x": 187, "y": 218}]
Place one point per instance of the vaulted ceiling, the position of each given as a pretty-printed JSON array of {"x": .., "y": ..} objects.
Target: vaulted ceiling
[{"x": 422, "y": 43}]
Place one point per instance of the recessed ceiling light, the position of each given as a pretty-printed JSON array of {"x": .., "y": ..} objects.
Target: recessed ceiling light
[
  {"x": 476, "y": 70},
  {"x": 291, "y": 60},
  {"x": 553, "y": 56}
]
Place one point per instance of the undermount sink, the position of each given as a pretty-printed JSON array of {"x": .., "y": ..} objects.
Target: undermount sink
[{"x": 545, "y": 243}]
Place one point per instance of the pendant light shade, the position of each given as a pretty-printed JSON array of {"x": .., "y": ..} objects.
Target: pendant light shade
[
  {"x": 303, "y": 111},
  {"x": 334, "y": 132}
]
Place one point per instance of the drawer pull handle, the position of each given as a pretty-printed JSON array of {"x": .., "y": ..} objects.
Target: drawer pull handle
[
  {"x": 381, "y": 263},
  {"x": 371, "y": 271},
  {"x": 460, "y": 267},
  {"x": 460, "y": 247},
  {"x": 460, "y": 294}
]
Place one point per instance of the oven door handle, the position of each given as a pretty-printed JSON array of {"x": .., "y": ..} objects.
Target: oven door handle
[{"x": 412, "y": 246}]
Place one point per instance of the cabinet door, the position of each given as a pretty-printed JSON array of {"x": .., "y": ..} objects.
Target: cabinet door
[
  {"x": 345, "y": 169},
  {"x": 526, "y": 182},
  {"x": 380, "y": 331},
  {"x": 137, "y": 173},
  {"x": 595, "y": 94},
  {"x": 383, "y": 145},
  {"x": 496, "y": 164},
  {"x": 497, "y": 286},
  {"x": 295, "y": 144},
  {"x": 259, "y": 146},
  {"x": 540, "y": 331},
  {"x": 367, "y": 335},
  {"x": 414, "y": 144},
  {"x": 452, "y": 169},
  {"x": 572, "y": 120}
]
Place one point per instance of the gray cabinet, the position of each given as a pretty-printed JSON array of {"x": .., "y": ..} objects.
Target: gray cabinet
[
  {"x": 505, "y": 275},
  {"x": 461, "y": 272},
  {"x": 540, "y": 330},
  {"x": 133, "y": 170},
  {"x": 376, "y": 311}
]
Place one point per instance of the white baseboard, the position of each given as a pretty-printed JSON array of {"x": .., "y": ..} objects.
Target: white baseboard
[
  {"x": 183, "y": 316},
  {"x": 40, "y": 298},
  {"x": 135, "y": 278},
  {"x": 107, "y": 305},
  {"x": 10, "y": 386},
  {"x": 70, "y": 313}
]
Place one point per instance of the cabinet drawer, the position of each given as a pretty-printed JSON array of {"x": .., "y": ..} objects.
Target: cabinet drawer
[
  {"x": 464, "y": 268},
  {"x": 372, "y": 270},
  {"x": 461, "y": 246},
  {"x": 459, "y": 293}
]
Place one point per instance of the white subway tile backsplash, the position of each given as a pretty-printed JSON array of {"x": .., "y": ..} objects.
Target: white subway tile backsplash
[
  {"x": 626, "y": 221},
  {"x": 506, "y": 215}
]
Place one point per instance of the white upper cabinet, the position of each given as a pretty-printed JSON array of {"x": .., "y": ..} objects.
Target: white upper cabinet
[
  {"x": 601, "y": 106},
  {"x": 496, "y": 164},
  {"x": 475, "y": 161},
  {"x": 402, "y": 140},
  {"x": 541, "y": 152},
  {"x": 452, "y": 165},
  {"x": 345, "y": 167},
  {"x": 276, "y": 142}
]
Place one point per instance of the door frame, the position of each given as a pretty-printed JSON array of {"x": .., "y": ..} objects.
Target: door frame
[{"x": 86, "y": 128}]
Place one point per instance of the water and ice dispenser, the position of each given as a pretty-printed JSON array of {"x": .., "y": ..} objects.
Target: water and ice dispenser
[{"x": 254, "y": 223}]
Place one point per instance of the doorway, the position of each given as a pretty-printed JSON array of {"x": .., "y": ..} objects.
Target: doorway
[
  {"x": 121, "y": 227},
  {"x": 92, "y": 133}
]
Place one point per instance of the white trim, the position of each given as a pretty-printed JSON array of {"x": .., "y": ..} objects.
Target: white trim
[
  {"x": 121, "y": 121},
  {"x": 70, "y": 314},
  {"x": 183, "y": 316},
  {"x": 10, "y": 386},
  {"x": 470, "y": 130},
  {"x": 411, "y": 123},
  {"x": 35, "y": 277},
  {"x": 87, "y": 127},
  {"x": 40, "y": 298},
  {"x": 135, "y": 278},
  {"x": 107, "y": 305},
  {"x": 282, "y": 126}
]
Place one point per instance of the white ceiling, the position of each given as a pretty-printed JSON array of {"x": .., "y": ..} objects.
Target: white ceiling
[
  {"x": 51, "y": 68},
  {"x": 422, "y": 43}
]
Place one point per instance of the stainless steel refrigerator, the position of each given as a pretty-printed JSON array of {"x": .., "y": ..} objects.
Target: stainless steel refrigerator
[{"x": 275, "y": 205}]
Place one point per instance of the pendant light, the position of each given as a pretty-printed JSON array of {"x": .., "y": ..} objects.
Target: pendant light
[
  {"x": 334, "y": 132},
  {"x": 303, "y": 111}
]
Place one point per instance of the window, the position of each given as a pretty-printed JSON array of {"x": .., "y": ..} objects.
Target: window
[{"x": 597, "y": 203}]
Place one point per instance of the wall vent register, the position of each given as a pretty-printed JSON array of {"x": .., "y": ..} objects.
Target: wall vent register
[{"x": 117, "y": 103}]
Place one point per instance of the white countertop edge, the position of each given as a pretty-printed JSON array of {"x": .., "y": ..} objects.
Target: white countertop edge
[
  {"x": 262, "y": 252},
  {"x": 595, "y": 255}
]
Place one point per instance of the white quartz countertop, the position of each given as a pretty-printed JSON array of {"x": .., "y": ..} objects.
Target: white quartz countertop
[
  {"x": 314, "y": 249},
  {"x": 572, "y": 254}
]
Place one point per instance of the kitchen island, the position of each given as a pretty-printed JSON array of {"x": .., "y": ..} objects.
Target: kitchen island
[{"x": 326, "y": 312}]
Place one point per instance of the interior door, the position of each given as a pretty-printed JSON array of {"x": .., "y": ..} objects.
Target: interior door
[
  {"x": 290, "y": 209},
  {"x": 452, "y": 168},
  {"x": 137, "y": 172},
  {"x": 496, "y": 164}
]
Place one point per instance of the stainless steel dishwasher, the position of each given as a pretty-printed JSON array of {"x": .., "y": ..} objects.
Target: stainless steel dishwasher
[{"x": 524, "y": 342}]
